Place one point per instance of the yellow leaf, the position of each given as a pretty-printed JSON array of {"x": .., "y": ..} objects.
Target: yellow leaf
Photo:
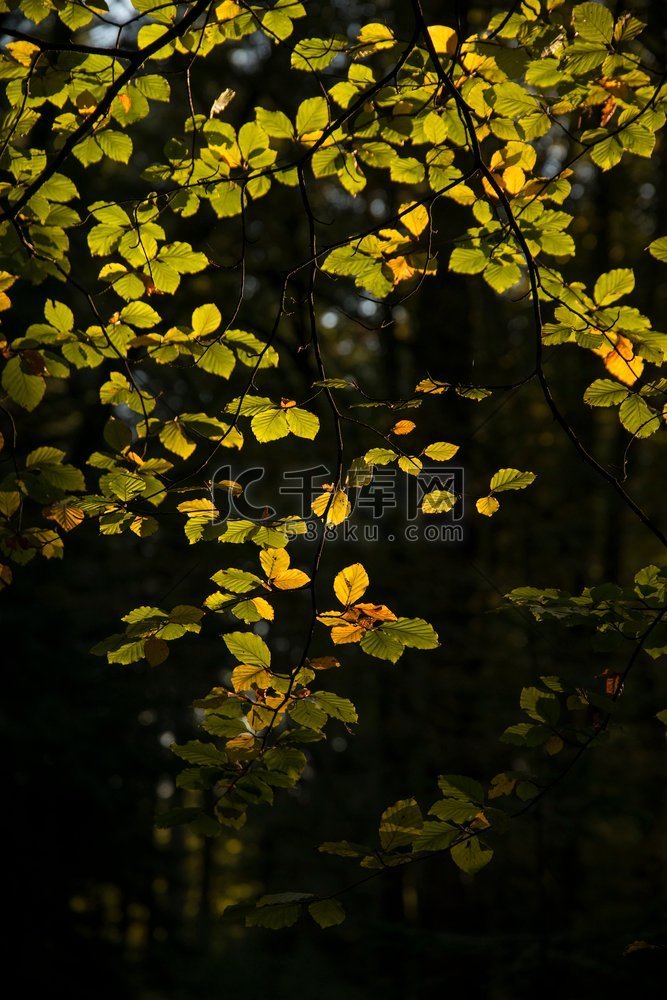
[
  {"x": 514, "y": 179},
  {"x": 125, "y": 102},
  {"x": 441, "y": 451},
  {"x": 227, "y": 10},
  {"x": 200, "y": 506},
  {"x": 263, "y": 607},
  {"x": 444, "y": 39},
  {"x": 350, "y": 584},
  {"x": 330, "y": 617},
  {"x": 340, "y": 506},
  {"x": 410, "y": 464},
  {"x": 403, "y": 427},
  {"x": 274, "y": 561},
  {"x": 23, "y": 51},
  {"x": 401, "y": 269},
  {"x": 487, "y": 506},
  {"x": 347, "y": 632},
  {"x": 290, "y": 579},
  {"x": 246, "y": 675},
  {"x": 416, "y": 220},
  {"x": 243, "y": 746}
]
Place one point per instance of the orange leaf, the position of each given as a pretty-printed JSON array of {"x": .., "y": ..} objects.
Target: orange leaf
[
  {"x": 622, "y": 363},
  {"x": 403, "y": 427}
]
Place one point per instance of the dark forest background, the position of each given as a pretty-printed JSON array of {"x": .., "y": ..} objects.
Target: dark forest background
[{"x": 105, "y": 905}]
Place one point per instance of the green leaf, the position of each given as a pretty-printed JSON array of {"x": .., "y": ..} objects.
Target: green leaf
[
  {"x": 201, "y": 754},
  {"x": 658, "y": 249},
  {"x": 637, "y": 417},
  {"x": 379, "y": 643},
  {"x": 302, "y": 423},
  {"x": 605, "y": 392},
  {"x": 337, "y": 707},
  {"x": 153, "y": 86},
  {"x": 457, "y": 786},
  {"x": 438, "y": 502},
  {"x": 512, "y": 101},
  {"x": 613, "y": 285},
  {"x": 274, "y": 917},
  {"x": 123, "y": 485},
  {"x": 441, "y": 451},
  {"x": 412, "y": 632},
  {"x": 380, "y": 456},
  {"x": 594, "y": 23},
  {"x": 217, "y": 359},
  {"x": 205, "y": 319},
  {"x": 248, "y": 648},
  {"x": 468, "y": 260},
  {"x": 270, "y": 425},
  {"x": 511, "y": 479},
  {"x": 400, "y": 824},
  {"x": 59, "y": 316},
  {"x": 306, "y": 713},
  {"x": 327, "y": 912},
  {"x": 236, "y": 580},
  {"x": 471, "y": 855},
  {"x": 25, "y": 389},
  {"x": 435, "y": 836},
  {"x": 140, "y": 314},
  {"x": 116, "y": 145},
  {"x": 312, "y": 116},
  {"x": 316, "y": 53}
]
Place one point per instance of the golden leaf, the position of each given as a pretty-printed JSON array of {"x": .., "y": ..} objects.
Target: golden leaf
[
  {"x": 444, "y": 39},
  {"x": 416, "y": 220},
  {"x": 487, "y": 506},
  {"x": 350, "y": 584},
  {"x": 22, "y": 51},
  {"x": 514, "y": 179},
  {"x": 274, "y": 561},
  {"x": 347, "y": 632},
  {"x": 401, "y": 269},
  {"x": 65, "y": 516},
  {"x": 339, "y": 509},
  {"x": 245, "y": 676},
  {"x": 290, "y": 579},
  {"x": 379, "y": 612},
  {"x": 263, "y": 607}
]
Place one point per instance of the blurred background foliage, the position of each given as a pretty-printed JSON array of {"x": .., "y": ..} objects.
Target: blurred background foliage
[{"x": 106, "y": 905}]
